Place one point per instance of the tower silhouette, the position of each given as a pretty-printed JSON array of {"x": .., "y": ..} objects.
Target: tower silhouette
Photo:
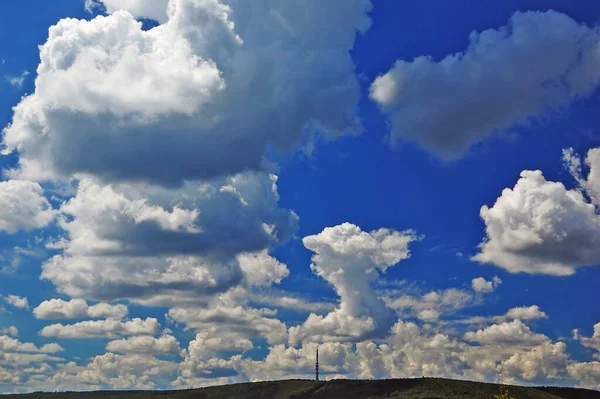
[{"x": 317, "y": 366}]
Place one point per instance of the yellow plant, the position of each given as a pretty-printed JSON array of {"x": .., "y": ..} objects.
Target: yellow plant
[{"x": 503, "y": 393}]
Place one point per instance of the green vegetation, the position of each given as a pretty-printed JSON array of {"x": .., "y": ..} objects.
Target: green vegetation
[
  {"x": 421, "y": 388},
  {"x": 503, "y": 393}
]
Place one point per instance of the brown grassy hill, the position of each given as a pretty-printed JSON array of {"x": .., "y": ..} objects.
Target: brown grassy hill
[{"x": 422, "y": 388}]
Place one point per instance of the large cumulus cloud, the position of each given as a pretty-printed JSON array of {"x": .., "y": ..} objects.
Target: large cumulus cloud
[
  {"x": 350, "y": 260},
  {"x": 541, "y": 227},
  {"x": 538, "y": 62},
  {"x": 204, "y": 92},
  {"x": 144, "y": 241}
]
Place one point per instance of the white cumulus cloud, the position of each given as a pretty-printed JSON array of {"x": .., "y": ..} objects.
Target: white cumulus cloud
[
  {"x": 541, "y": 227},
  {"x": 10, "y": 330},
  {"x": 78, "y": 309},
  {"x": 526, "y": 313},
  {"x": 587, "y": 374},
  {"x": 592, "y": 342},
  {"x": 431, "y": 305},
  {"x": 482, "y": 285},
  {"x": 130, "y": 371},
  {"x": 23, "y": 206},
  {"x": 448, "y": 105},
  {"x": 211, "y": 240},
  {"x": 166, "y": 344},
  {"x": 17, "y": 301},
  {"x": 109, "y": 328},
  {"x": 507, "y": 333},
  {"x": 185, "y": 91},
  {"x": 350, "y": 259},
  {"x": 8, "y": 344}
]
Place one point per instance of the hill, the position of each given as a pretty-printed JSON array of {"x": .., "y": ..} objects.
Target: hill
[{"x": 422, "y": 388}]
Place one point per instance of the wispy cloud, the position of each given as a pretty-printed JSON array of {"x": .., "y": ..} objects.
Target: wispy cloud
[{"x": 17, "y": 81}]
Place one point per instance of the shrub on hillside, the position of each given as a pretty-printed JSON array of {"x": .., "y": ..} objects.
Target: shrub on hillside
[{"x": 503, "y": 393}]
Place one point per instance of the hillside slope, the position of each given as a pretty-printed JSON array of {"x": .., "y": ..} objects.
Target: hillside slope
[{"x": 423, "y": 388}]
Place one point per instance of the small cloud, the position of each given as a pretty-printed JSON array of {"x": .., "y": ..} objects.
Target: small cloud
[
  {"x": 90, "y": 5},
  {"x": 25, "y": 251},
  {"x": 526, "y": 313},
  {"x": 17, "y": 81},
  {"x": 429, "y": 315},
  {"x": 459, "y": 254},
  {"x": 51, "y": 348},
  {"x": 11, "y": 266},
  {"x": 481, "y": 285},
  {"x": 11, "y": 260},
  {"x": 17, "y": 301},
  {"x": 12, "y": 331}
]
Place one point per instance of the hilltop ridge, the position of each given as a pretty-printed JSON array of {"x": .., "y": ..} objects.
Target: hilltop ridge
[{"x": 420, "y": 388}]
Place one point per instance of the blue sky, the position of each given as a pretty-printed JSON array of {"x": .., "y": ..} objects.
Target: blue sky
[{"x": 200, "y": 199}]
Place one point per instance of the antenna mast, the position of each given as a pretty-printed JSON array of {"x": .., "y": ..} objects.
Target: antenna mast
[{"x": 317, "y": 366}]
